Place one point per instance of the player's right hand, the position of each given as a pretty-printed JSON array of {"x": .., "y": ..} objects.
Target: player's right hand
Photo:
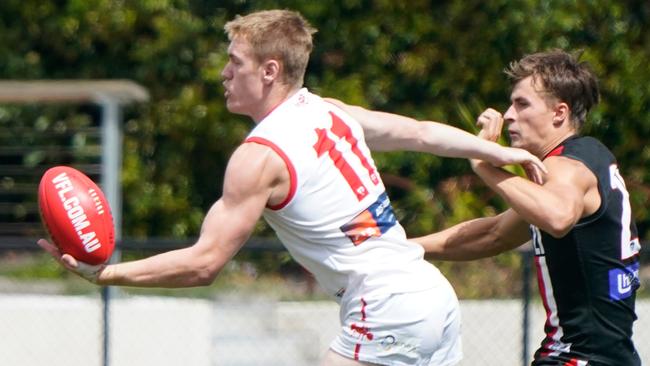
[
  {"x": 87, "y": 271},
  {"x": 491, "y": 123}
]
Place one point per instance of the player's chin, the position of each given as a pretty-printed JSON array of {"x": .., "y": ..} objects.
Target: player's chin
[
  {"x": 232, "y": 105},
  {"x": 515, "y": 141},
  {"x": 236, "y": 108}
]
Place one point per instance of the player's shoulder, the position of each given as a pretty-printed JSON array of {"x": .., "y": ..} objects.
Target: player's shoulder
[
  {"x": 255, "y": 154},
  {"x": 584, "y": 146},
  {"x": 564, "y": 164},
  {"x": 568, "y": 172},
  {"x": 252, "y": 164}
]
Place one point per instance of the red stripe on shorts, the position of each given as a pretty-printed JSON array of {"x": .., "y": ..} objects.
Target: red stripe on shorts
[{"x": 363, "y": 331}]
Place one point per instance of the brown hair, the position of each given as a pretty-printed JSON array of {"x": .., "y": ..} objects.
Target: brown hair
[
  {"x": 280, "y": 34},
  {"x": 563, "y": 77}
]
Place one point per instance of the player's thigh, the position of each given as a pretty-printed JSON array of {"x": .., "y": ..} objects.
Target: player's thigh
[
  {"x": 449, "y": 350},
  {"x": 334, "y": 359}
]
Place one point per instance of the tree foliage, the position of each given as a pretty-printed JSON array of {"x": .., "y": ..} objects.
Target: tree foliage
[{"x": 430, "y": 60}]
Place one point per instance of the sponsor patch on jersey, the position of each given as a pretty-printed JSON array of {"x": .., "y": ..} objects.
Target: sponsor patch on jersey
[
  {"x": 373, "y": 221},
  {"x": 623, "y": 282}
]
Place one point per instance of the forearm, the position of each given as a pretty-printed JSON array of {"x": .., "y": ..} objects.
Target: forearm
[
  {"x": 457, "y": 243},
  {"x": 386, "y": 131},
  {"x": 395, "y": 133},
  {"x": 392, "y": 132},
  {"x": 531, "y": 201},
  {"x": 475, "y": 239},
  {"x": 404, "y": 133},
  {"x": 173, "y": 269},
  {"x": 448, "y": 141}
]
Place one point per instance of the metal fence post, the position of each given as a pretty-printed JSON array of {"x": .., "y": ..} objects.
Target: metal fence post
[
  {"x": 526, "y": 274},
  {"x": 111, "y": 168}
]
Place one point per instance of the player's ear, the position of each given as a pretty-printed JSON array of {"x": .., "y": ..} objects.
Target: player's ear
[
  {"x": 271, "y": 71},
  {"x": 561, "y": 113}
]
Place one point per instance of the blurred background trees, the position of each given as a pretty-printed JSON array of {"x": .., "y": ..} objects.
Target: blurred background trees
[{"x": 431, "y": 60}]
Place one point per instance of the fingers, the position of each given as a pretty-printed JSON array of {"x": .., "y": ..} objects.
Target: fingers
[
  {"x": 491, "y": 123},
  {"x": 87, "y": 271},
  {"x": 52, "y": 249},
  {"x": 534, "y": 174},
  {"x": 69, "y": 262},
  {"x": 65, "y": 259},
  {"x": 538, "y": 165}
]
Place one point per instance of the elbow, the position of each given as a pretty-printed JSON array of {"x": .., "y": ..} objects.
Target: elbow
[
  {"x": 557, "y": 232},
  {"x": 207, "y": 271},
  {"x": 558, "y": 226},
  {"x": 203, "y": 269},
  {"x": 425, "y": 138},
  {"x": 204, "y": 280},
  {"x": 205, "y": 276}
]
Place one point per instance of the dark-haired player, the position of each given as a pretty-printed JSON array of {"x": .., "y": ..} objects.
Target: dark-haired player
[{"x": 583, "y": 234}]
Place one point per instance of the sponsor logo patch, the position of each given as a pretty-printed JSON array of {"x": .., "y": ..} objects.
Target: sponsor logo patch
[
  {"x": 623, "y": 282},
  {"x": 373, "y": 221}
]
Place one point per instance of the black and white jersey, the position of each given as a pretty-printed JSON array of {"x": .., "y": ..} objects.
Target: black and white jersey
[{"x": 588, "y": 278}]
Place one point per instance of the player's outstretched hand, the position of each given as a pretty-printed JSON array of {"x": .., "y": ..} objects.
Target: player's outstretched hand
[
  {"x": 531, "y": 163},
  {"x": 534, "y": 174},
  {"x": 85, "y": 270},
  {"x": 491, "y": 124}
]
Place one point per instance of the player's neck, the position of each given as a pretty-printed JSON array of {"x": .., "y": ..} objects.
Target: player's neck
[
  {"x": 275, "y": 96},
  {"x": 553, "y": 143}
]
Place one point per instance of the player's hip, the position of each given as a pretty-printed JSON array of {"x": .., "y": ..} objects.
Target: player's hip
[{"x": 402, "y": 328}]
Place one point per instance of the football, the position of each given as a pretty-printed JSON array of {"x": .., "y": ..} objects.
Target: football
[{"x": 76, "y": 215}]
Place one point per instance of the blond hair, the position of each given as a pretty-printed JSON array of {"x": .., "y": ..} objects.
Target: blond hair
[{"x": 277, "y": 34}]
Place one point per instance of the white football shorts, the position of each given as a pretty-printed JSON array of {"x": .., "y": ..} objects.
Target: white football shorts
[{"x": 413, "y": 328}]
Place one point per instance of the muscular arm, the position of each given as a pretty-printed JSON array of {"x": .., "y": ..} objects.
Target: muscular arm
[
  {"x": 390, "y": 132},
  {"x": 478, "y": 238},
  {"x": 252, "y": 177},
  {"x": 570, "y": 192}
]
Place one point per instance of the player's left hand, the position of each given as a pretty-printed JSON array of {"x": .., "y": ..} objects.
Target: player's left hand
[
  {"x": 87, "y": 271},
  {"x": 513, "y": 155},
  {"x": 534, "y": 174},
  {"x": 534, "y": 171}
]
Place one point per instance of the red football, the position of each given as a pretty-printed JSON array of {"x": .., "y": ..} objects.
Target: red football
[{"x": 76, "y": 214}]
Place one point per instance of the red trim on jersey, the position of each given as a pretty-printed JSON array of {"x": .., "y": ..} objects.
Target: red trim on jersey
[
  {"x": 557, "y": 151},
  {"x": 542, "y": 290},
  {"x": 574, "y": 362},
  {"x": 293, "y": 179}
]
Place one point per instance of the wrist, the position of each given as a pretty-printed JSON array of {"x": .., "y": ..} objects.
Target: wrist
[
  {"x": 103, "y": 275},
  {"x": 476, "y": 164}
]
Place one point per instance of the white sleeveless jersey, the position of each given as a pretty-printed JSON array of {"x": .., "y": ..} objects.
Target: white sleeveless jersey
[{"x": 337, "y": 220}]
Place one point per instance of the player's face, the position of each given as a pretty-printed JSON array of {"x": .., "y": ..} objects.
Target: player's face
[
  {"x": 529, "y": 119},
  {"x": 242, "y": 79}
]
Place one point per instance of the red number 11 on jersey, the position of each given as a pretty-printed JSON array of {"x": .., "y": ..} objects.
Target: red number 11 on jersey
[{"x": 326, "y": 145}]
